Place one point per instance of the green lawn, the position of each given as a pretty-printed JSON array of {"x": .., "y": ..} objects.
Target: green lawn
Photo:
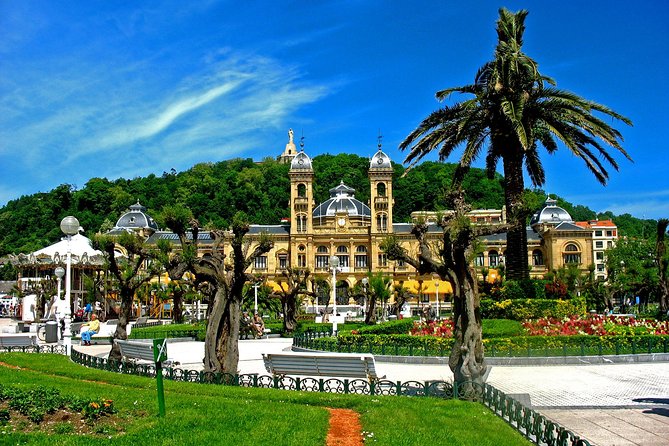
[{"x": 200, "y": 414}]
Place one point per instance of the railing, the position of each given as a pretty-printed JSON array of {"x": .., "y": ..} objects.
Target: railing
[
  {"x": 148, "y": 324},
  {"x": 595, "y": 347},
  {"x": 530, "y": 423},
  {"x": 56, "y": 349},
  {"x": 534, "y": 426}
]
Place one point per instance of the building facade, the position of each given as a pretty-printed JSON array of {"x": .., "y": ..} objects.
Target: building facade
[{"x": 353, "y": 231}]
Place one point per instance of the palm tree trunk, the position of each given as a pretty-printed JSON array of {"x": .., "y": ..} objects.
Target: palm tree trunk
[{"x": 516, "y": 238}]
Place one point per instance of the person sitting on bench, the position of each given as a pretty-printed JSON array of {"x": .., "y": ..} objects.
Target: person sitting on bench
[
  {"x": 259, "y": 325},
  {"x": 93, "y": 328}
]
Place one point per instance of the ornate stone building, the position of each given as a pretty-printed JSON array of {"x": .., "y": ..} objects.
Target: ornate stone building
[{"x": 353, "y": 231}]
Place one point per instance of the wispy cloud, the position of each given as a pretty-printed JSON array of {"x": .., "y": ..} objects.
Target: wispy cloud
[{"x": 109, "y": 123}]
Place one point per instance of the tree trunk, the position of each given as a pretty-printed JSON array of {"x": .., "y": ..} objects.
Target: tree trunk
[
  {"x": 370, "y": 316},
  {"x": 467, "y": 361},
  {"x": 289, "y": 307},
  {"x": 127, "y": 295},
  {"x": 177, "y": 306},
  {"x": 516, "y": 238},
  {"x": 221, "y": 348}
]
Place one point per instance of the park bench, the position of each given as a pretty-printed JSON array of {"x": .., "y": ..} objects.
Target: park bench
[
  {"x": 350, "y": 365},
  {"x": 136, "y": 350},
  {"x": 18, "y": 341}
]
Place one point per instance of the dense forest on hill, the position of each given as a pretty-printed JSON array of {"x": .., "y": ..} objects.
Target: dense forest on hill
[{"x": 216, "y": 191}]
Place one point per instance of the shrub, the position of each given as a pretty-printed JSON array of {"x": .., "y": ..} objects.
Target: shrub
[
  {"x": 401, "y": 326},
  {"x": 169, "y": 331},
  {"x": 521, "y": 309}
]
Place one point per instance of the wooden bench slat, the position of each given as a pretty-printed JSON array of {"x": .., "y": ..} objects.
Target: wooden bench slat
[
  {"x": 351, "y": 365},
  {"x": 136, "y": 350},
  {"x": 17, "y": 341}
]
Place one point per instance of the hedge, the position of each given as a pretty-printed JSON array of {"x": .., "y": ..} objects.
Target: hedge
[
  {"x": 521, "y": 309},
  {"x": 533, "y": 346},
  {"x": 402, "y": 326},
  {"x": 169, "y": 331}
]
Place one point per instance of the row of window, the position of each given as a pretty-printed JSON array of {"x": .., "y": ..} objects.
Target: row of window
[
  {"x": 381, "y": 222},
  {"x": 571, "y": 255},
  {"x": 323, "y": 261}
]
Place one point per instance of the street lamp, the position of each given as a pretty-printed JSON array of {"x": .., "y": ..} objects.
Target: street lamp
[
  {"x": 334, "y": 264},
  {"x": 255, "y": 297},
  {"x": 436, "y": 287},
  {"x": 70, "y": 226},
  {"x": 365, "y": 282}
]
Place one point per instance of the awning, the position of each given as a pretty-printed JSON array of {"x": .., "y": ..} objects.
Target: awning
[{"x": 427, "y": 287}]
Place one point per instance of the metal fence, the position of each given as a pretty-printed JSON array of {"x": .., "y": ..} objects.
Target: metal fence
[
  {"x": 56, "y": 349},
  {"x": 579, "y": 347},
  {"x": 531, "y": 424}
]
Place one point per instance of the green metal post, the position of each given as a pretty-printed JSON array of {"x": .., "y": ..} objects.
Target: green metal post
[{"x": 159, "y": 355}]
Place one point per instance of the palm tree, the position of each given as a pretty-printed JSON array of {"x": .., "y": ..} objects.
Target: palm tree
[
  {"x": 513, "y": 111},
  {"x": 662, "y": 264}
]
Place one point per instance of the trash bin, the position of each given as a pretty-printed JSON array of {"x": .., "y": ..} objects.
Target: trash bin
[{"x": 51, "y": 330}]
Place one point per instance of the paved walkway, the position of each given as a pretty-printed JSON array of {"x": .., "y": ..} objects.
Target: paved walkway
[{"x": 608, "y": 404}]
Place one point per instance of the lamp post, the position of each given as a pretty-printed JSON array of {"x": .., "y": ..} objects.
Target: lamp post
[
  {"x": 436, "y": 287},
  {"x": 70, "y": 226},
  {"x": 334, "y": 264},
  {"x": 255, "y": 297},
  {"x": 365, "y": 282}
]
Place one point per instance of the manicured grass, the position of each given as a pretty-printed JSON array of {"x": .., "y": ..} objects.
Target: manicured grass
[{"x": 207, "y": 414}]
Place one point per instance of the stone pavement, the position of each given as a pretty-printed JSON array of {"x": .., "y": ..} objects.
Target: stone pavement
[{"x": 608, "y": 404}]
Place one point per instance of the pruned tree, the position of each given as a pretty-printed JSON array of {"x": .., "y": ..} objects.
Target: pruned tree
[
  {"x": 450, "y": 258},
  {"x": 225, "y": 275},
  {"x": 132, "y": 270},
  {"x": 178, "y": 262},
  {"x": 294, "y": 284}
]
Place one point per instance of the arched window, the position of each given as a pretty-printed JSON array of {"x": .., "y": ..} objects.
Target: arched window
[
  {"x": 382, "y": 222},
  {"x": 301, "y": 190},
  {"x": 478, "y": 260},
  {"x": 322, "y": 257},
  {"x": 301, "y": 257},
  {"x": 537, "y": 257},
  {"x": 342, "y": 293},
  {"x": 493, "y": 258},
  {"x": 572, "y": 254},
  {"x": 342, "y": 253},
  {"x": 301, "y": 223},
  {"x": 361, "y": 257},
  {"x": 381, "y": 189}
]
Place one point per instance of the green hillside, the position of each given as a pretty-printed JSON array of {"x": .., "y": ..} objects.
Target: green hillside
[{"x": 215, "y": 191}]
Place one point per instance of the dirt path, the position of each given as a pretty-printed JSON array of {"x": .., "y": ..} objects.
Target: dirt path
[{"x": 345, "y": 428}]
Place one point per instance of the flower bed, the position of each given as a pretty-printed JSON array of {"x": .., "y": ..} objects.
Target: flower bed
[{"x": 595, "y": 325}]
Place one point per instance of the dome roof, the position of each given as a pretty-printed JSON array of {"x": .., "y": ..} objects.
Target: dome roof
[
  {"x": 551, "y": 213},
  {"x": 342, "y": 199},
  {"x": 136, "y": 218},
  {"x": 380, "y": 161},
  {"x": 301, "y": 161}
]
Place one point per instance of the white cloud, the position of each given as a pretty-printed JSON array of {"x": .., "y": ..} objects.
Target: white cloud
[{"x": 84, "y": 120}]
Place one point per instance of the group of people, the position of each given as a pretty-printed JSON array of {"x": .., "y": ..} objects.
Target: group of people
[{"x": 254, "y": 325}]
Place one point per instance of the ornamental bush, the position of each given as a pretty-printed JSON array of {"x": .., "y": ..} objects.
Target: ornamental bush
[
  {"x": 533, "y": 346},
  {"x": 401, "y": 326},
  {"x": 169, "y": 331},
  {"x": 521, "y": 309}
]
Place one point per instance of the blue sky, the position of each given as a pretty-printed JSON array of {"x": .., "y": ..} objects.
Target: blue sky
[{"x": 125, "y": 89}]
